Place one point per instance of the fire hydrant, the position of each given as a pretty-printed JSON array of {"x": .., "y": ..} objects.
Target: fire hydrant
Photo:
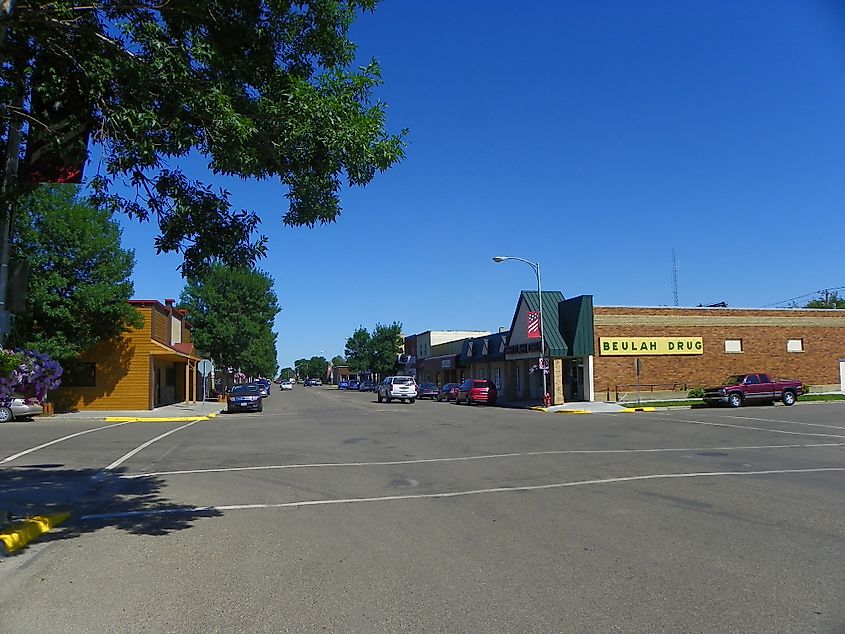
[{"x": 547, "y": 400}]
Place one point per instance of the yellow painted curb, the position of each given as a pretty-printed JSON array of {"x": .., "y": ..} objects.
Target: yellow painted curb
[
  {"x": 141, "y": 419},
  {"x": 538, "y": 409},
  {"x": 573, "y": 411},
  {"x": 629, "y": 410},
  {"x": 20, "y": 534}
]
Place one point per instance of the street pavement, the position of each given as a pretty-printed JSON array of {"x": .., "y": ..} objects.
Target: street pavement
[{"x": 332, "y": 512}]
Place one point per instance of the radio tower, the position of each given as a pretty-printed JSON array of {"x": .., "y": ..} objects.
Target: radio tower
[{"x": 674, "y": 277}]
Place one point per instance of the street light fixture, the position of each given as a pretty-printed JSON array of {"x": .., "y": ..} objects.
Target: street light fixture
[{"x": 536, "y": 267}]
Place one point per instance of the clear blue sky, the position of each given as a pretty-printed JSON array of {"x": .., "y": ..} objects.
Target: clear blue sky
[{"x": 594, "y": 137}]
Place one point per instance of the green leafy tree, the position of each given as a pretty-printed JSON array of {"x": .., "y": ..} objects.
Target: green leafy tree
[
  {"x": 301, "y": 366},
  {"x": 317, "y": 367},
  {"x": 232, "y": 312},
  {"x": 376, "y": 352},
  {"x": 357, "y": 350},
  {"x": 385, "y": 346},
  {"x": 79, "y": 281},
  {"x": 338, "y": 360},
  {"x": 287, "y": 373},
  {"x": 257, "y": 88}
]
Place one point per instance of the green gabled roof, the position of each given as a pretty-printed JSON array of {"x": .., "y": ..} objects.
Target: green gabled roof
[{"x": 551, "y": 326}]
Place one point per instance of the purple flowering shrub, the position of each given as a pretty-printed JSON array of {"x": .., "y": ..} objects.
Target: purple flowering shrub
[{"x": 28, "y": 373}]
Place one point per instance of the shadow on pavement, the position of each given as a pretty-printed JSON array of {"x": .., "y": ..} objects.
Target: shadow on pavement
[{"x": 133, "y": 505}]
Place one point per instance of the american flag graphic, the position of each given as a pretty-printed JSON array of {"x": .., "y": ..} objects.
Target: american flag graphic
[{"x": 532, "y": 324}]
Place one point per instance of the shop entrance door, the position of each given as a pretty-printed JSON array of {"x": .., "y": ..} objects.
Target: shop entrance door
[{"x": 574, "y": 380}]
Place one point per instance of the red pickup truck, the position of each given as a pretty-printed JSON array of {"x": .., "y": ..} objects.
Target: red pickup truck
[{"x": 753, "y": 388}]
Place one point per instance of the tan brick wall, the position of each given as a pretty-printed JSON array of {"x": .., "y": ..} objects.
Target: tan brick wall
[{"x": 763, "y": 333}]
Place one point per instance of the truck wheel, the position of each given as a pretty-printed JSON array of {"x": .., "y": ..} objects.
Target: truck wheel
[
  {"x": 735, "y": 400},
  {"x": 387, "y": 397},
  {"x": 788, "y": 398},
  {"x": 379, "y": 397},
  {"x": 412, "y": 400}
]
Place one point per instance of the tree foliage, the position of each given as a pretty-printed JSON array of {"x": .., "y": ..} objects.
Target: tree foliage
[
  {"x": 828, "y": 299},
  {"x": 231, "y": 311},
  {"x": 376, "y": 352},
  {"x": 79, "y": 281},
  {"x": 259, "y": 89},
  {"x": 314, "y": 368}
]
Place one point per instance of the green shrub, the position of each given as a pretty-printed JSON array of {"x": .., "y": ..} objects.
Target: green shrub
[{"x": 696, "y": 392}]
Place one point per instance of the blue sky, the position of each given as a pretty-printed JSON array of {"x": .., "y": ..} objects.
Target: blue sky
[{"x": 593, "y": 137}]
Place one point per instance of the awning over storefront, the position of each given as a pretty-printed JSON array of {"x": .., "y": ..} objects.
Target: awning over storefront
[
  {"x": 178, "y": 353},
  {"x": 436, "y": 364}
]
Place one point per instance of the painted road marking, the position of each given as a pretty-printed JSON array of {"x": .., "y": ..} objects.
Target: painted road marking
[
  {"x": 453, "y": 494},
  {"x": 774, "y": 431},
  {"x": 58, "y": 440},
  {"x": 140, "y": 448},
  {"x": 469, "y": 458},
  {"x": 790, "y": 422}
]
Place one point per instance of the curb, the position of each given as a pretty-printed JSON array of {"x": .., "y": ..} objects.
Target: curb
[
  {"x": 172, "y": 419},
  {"x": 630, "y": 410},
  {"x": 573, "y": 411},
  {"x": 22, "y": 533}
]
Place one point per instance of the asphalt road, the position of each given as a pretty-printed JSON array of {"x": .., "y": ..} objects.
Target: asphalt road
[{"x": 331, "y": 512}]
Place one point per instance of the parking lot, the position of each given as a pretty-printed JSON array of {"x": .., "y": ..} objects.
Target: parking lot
[{"x": 330, "y": 510}]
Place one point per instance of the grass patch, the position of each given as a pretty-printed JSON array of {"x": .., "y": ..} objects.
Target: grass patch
[{"x": 697, "y": 402}]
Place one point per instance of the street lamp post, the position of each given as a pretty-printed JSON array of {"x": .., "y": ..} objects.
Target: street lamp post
[{"x": 536, "y": 267}]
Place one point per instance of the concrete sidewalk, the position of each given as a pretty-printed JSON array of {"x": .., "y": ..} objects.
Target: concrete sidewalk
[{"x": 175, "y": 412}]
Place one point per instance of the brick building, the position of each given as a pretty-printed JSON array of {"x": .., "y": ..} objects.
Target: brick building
[{"x": 803, "y": 344}]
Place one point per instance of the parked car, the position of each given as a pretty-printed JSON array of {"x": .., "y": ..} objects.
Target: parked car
[
  {"x": 428, "y": 390},
  {"x": 753, "y": 388},
  {"x": 245, "y": 397},
  {"x": 19, "y": 407},
  {"x": 264, "y": 386},
  {"x": 476, "y": 391},
  {"x": 316, "y": 382},
  {"x": 286, "y": 385},
  {"x": 448, "y": 392},
  {"x": 398, "y": 387},
  {"x": 353, "y": 385},
  {"x": 343, "y": 385},
  {"x": 367, "y": 386}
]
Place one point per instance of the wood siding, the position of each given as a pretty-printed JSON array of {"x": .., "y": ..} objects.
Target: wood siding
[
  {"x": 123, "y": 376},
  {"x": 160, "y": 326}
]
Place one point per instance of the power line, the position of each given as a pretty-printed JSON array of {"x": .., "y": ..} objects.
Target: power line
[{"x": 792, "y": 299}]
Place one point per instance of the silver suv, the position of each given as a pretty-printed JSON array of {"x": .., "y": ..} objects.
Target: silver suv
[{"x": 401, "y": 387}]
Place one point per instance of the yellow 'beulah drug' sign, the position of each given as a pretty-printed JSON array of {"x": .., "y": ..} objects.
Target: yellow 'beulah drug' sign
[{"x": 642, "y": 346}]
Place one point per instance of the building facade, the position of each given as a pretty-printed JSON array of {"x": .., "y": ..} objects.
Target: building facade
[
  {"x": 685, "y": 348},
  {"x": 144, "y": 368},
  {"x": 620, "y": 353}
]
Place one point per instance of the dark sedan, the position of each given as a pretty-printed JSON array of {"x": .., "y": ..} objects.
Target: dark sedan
[
  {"x": 244, "y": 398},
  {"x": 428, "y": 390},
  {"x": 448, "y": 392},
  {"x": 353, "y": 385},
  {"x": 367, "y": 386}
]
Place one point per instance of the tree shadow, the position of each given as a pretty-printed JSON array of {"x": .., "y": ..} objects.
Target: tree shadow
[
  {"x": 95, "y": 499},
  {"x": 113, "y": 360}
]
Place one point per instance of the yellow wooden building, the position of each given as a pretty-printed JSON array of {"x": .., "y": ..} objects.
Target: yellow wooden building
[{"x": 145, "y": 368}]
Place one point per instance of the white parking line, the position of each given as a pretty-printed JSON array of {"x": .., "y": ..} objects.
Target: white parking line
[
  {"x": 143, "y": 446},
  {"x": 469, "y": 458},
  {"x": 774, "y": 431},
  {"x": 58, "y": 440},
  {"x": 429, "y": 496},
  {"x": 788, "y": 422}
]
